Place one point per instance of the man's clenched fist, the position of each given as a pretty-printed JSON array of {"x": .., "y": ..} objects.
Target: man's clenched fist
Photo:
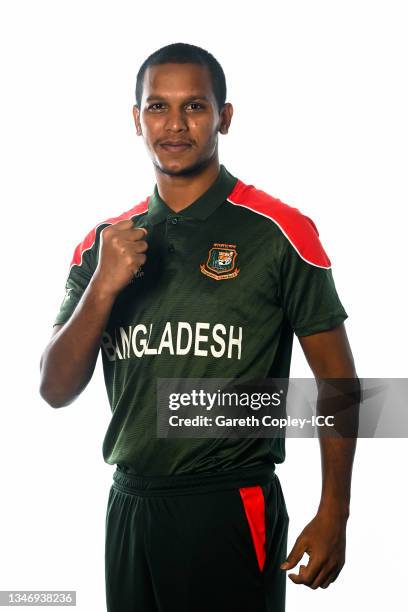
[{"x": 121, "y": 254}]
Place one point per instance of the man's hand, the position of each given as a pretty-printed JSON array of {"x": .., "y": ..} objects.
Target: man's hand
[
  {"x": 121, "y": 254},
  {"x": 324, "y": 540}
]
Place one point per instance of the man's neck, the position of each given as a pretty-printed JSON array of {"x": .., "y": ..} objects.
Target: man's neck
[{"x": 178, "y": 192}]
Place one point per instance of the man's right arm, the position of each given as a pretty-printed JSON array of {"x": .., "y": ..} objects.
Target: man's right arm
[{"x": 69, "y": 359}]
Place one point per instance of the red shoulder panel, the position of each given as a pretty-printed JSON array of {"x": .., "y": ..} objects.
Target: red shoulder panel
[
  {"x": 299, "y": 229},
  {"x": 89, "y": 239}
]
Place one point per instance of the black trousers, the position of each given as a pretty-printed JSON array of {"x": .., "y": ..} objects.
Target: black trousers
[{"x": 209, "y": 543}]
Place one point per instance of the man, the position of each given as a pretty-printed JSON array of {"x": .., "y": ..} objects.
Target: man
[{"x": 208, "y": 277}]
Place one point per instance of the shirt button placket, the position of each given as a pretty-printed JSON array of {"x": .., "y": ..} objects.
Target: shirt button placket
[{"x": 172, "y": 235}]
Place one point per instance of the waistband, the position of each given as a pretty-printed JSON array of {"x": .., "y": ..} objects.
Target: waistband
[{"x": 187, "y": 484}]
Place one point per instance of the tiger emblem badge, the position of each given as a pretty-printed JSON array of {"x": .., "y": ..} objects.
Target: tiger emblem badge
[{"x": 221, "y": 262}]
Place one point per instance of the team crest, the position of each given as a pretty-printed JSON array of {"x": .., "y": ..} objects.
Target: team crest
[{"x": 220, "y": 264}]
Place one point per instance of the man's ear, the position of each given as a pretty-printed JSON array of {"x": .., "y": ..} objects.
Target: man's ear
[
  {"x": 225, "y": 118},
  {"x": 136, "y": 117}
]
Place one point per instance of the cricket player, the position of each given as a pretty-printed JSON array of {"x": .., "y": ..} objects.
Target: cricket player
[{"x": 207, "y": 277}]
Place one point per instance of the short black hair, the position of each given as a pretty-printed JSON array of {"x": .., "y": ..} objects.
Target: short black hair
[{"x": 183, "y": 53}]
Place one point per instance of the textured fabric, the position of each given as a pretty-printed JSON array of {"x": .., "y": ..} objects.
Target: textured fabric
[
  {"x": 227, "y": 283},
  {"x": 172, "y": 550}
]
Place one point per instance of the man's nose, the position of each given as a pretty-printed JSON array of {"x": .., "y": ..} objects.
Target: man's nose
[{"x": 176, "y": 120}]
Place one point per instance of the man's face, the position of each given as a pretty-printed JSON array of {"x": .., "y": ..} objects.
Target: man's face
[{"x": 179, "y": 118}]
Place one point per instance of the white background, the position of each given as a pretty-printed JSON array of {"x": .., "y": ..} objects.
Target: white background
[{"x": 320, "y": 121}]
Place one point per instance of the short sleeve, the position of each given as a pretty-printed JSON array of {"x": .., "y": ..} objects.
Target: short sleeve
[
  {"x": 82, "y": 267},
  {"x": 308, "y": 294}
]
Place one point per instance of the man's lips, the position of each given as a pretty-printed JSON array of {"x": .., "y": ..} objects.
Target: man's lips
[{"x": 175, "y": 146}]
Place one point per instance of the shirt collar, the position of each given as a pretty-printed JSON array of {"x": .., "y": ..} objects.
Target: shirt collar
[{"x": 202, "y": 207}]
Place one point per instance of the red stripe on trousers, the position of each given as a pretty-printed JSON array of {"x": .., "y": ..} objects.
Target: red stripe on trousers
[{"x": 254, "y": 505}]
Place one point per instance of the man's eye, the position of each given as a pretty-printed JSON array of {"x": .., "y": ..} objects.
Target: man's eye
[
  {"x": 195, "y": 106},
  {"x": 155, "y": 106}
]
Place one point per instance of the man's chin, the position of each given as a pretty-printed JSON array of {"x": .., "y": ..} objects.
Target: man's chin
[{"x": 179, "y": 169}]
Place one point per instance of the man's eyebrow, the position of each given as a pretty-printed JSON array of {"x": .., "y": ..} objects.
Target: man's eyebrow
[{"x": 192, "y": 97}]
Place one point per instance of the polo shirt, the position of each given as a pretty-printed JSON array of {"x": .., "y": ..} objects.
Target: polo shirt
[{"x": 227, "y": 283}]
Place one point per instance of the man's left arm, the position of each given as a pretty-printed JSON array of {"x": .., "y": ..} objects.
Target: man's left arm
[{"x": 324, "y": 538}]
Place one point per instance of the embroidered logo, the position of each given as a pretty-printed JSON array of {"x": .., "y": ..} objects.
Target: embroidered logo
[
  {"x": 220, "y": 264},
  {"x": 138, "y": 274}
]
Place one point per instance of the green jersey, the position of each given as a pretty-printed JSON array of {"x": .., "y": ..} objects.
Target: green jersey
[{"x": 227, "y": 283}]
